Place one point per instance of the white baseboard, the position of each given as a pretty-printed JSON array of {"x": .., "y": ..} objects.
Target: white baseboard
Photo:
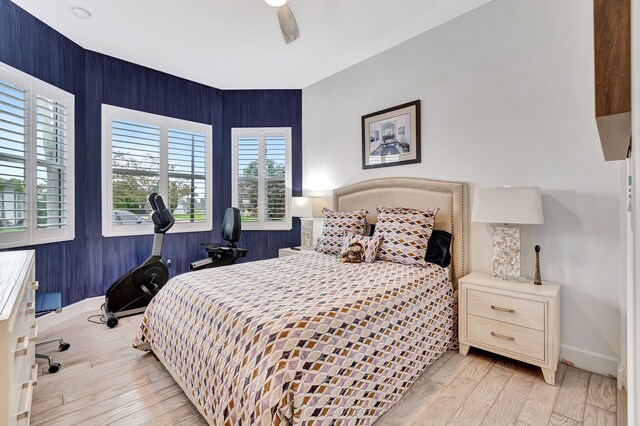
[
  {"x": 590, "y": 361},
  {"x": 92, "y": 304}
]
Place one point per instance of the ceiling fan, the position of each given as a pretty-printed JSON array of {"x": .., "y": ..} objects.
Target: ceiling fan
[{"x": 288, "y": 24}]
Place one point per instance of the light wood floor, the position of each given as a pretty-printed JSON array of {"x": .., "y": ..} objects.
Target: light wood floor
[{"x": 104, "y": 381}]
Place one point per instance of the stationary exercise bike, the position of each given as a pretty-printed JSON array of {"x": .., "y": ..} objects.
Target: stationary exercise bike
[
  {"x": 227, "y": 254},
  {"x": 132, "y": 292}
]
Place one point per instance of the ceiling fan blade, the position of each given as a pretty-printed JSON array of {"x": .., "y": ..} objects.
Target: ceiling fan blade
[{"x": 288, "y": 24}]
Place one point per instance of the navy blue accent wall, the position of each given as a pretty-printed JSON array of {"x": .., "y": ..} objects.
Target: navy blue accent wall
[
  {"x": 116, "y": 82},
  {"x": 263, "y": 108},
  {"x": 31, "y": 46},
  {"x": 87, "y": 266}
]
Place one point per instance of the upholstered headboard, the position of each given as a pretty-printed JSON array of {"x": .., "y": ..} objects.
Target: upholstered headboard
[{"x": 449, "y": 197}]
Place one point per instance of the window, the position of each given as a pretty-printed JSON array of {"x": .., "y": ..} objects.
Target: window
[
  {"x": 262, "y": 177},
  {"x": 36, "y": 161},
  {"x": 144, "y": 153}
]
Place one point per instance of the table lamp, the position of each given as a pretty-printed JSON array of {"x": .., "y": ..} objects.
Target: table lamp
[
  {"x": 507, "y": 206},
  {"x": 306, "y": 208}
]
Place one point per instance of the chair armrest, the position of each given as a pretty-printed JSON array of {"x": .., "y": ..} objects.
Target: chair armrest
[
  {"x": 201, "y": 264},
  {"x": 240, "y": 252}
]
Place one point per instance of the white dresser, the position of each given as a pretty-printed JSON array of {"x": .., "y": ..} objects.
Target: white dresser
[
  {"x": 18, "y": 330},
  {"x": 515, "y": 319}
]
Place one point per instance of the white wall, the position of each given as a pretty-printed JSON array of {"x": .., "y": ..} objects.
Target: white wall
[
  {"x": 626, "y": 273},
  {"x": 633, "y": 288},
  {"x": 507, "y": 95}
]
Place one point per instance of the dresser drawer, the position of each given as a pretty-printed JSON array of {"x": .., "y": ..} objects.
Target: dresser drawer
[
  {"x": 30, "y": 293},
  {"x": 520, "y": 340},
  {"x": 23, "y": 355},
  {"x": 512, "y": 310},
  {"x": 22, "y": 408},
  {"x": 23, "y": 320},
  {"x": 18, "y": 329}
]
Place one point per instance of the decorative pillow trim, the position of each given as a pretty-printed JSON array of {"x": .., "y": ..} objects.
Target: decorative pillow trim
[
  {"x": 404, "y": 234},
  {"x": 335, "y": 226},
  {"x": 369, "y": 246}
]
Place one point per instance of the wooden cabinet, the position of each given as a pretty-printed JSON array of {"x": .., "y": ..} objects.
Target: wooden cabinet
[
  {"x": 515, "y": 319},
  {"x": 612, "y": 51},
  {"x": 18, "y": 331}
]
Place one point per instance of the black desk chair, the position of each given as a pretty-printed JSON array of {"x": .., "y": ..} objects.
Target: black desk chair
[
  {"x": 222, "y": 255},
  {"x": 46, "y": 303}
]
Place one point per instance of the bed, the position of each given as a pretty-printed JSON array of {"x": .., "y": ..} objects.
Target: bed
[{"x": 306, "y": 339}]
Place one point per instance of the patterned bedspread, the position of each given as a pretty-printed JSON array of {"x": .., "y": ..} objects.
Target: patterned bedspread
[{"x": 301, "y": 339}]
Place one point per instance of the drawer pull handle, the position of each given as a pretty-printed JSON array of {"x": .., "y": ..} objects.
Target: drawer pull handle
[
  {"x": 502, "y": 336},
  {"x": 498, "y": 308},
  {"x": 29, "y": 309},
  {"x": 23, "y": 415},
  {"x": 25, "y": 347},
  {"x": 34, "y": 374}
]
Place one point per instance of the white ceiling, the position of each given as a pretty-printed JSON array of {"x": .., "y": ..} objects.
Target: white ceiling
[{"x": 237, "y": 43}]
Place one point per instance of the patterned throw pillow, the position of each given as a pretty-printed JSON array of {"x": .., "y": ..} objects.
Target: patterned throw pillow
[
  {"x": 335, "y": 225},
  {"x": 369, "y": 246},
  {"x": 404, "y": 234}
]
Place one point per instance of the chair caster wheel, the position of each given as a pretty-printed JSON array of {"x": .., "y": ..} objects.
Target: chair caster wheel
[
  {"x": 112, "y": 322},
  {"x": 53, "y": 368},
  {"x": 63, "y": 347}
]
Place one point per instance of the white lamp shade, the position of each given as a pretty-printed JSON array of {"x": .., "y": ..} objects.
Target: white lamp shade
[
  {"x": 510, "y": 205},
  {"x": 275, "y": 3},
  {"x": 306, "y": 206}
]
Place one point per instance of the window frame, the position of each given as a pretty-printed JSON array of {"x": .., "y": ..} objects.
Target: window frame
[
  {"x": 33, "y": 235},
  {"x": 261, "y": 133},
  {"x": 111, "y": 113}
]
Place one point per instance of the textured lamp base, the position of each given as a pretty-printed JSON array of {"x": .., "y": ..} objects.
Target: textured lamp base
[
  {"x": 306, "y": 233},
  {"x": 506, "y": 252}
]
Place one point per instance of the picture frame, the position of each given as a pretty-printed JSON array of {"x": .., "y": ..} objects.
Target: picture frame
[{"x": 391, "y": 137}]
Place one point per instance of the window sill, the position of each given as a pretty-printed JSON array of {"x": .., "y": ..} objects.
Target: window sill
[
  {"x": 40, "y": 242},
  {"x": 258, "y": 228},
  {"x": 148, "y": 230}
]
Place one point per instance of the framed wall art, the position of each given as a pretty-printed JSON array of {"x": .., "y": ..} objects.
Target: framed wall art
[{"x": 391, "y": 137}]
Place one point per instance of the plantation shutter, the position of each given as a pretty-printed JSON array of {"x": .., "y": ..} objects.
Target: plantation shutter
[
  {"x": 274, "y": 179},
  {"x": 36, "y": 161},
  {"x": 147, "y": 153},
  {"x": 262, "y": 177},
  {"x": 13, "y": 143},
  {"x": 186, "y": 174},
  {"x": 135, "y": 170},
  {"x": 248, "y": 154},
  {"x": 51, "y": 167}
]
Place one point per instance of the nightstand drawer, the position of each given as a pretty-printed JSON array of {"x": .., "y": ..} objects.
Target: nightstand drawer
[
  {"x": 512, "y": 310},
  {"x": 513, "y": 338}
]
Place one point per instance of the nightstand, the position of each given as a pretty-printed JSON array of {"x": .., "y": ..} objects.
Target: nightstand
[
  {"x": 288, "y": 251},
  {"x": 519, "y": 320}
]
